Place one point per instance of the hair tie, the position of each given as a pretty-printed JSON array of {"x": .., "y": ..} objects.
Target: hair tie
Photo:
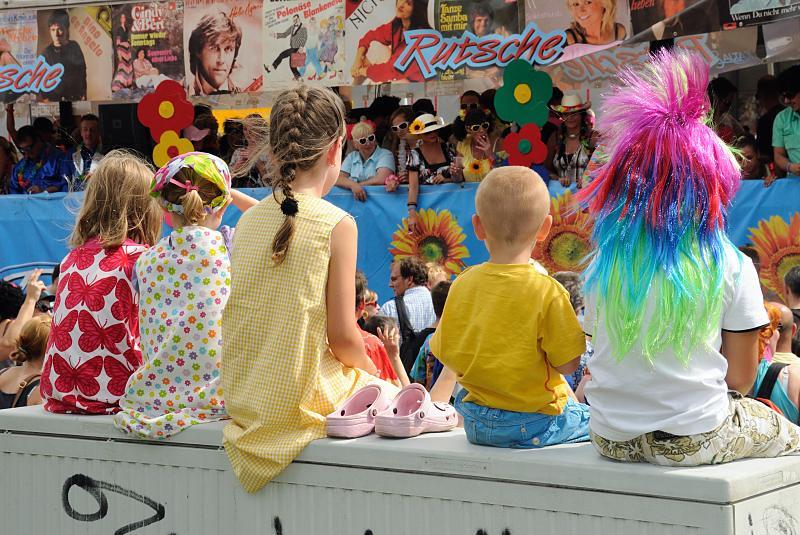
[
  {"x": 289, "y": 206},
  {"x": 188, "y": 186}
]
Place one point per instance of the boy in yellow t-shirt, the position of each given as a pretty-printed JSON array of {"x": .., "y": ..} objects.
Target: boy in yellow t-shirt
[{"x": 508, "y": 333}]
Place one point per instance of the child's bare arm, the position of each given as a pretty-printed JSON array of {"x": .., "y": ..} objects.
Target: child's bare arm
[
  {"x": 343, "y": 336},
  {"x": 569, "y": 367},
  {"x": 443, "y": 389},
  {"x": 242, "y": 201},
  {"x": 741, "y": 351}
]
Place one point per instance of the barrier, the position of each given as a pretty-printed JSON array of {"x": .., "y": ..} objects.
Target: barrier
[
  {"x": 78, "y": 475},
  {"x": 35, "y": 228}
]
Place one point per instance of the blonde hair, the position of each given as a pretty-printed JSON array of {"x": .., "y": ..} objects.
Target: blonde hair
[
  {"x": 32, "y": 341},
  {"x": 117, "y": 204},
  {"x": 256, "y": 131},
  {"x": 607, "y": 24},
  {"x": 305, "y": 122},
  {"x": 766, "y": 332},
  {"x": 512, "y": 202},
  {"x": 436, "y": 274},
  {"x": 194, "y": 202},
  {"x": 361, "y": 129}
]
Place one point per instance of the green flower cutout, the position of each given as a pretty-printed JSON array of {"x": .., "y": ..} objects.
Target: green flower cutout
[{"x": 524, "y": 95}]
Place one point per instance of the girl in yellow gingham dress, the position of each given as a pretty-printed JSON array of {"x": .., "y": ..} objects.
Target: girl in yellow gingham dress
[{"x": 289, "y": 356}]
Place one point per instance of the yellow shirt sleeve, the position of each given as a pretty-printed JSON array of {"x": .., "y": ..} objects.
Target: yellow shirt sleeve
[{"x": 561, "y": 335}]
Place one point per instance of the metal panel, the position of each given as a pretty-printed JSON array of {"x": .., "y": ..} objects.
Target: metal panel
[{"x": 306, "y": 499}]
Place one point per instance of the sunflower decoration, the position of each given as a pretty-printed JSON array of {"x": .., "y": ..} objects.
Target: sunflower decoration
[
  {"x": 525, "y": 147},
  {"x": 569, "y": 242},
  {"x": 524, "y": 96},
  {"x": 778, "y": 247},
  {"x": 438, "y": 238},
  {"x": 416, "y": 127},
  {"x": 475, "y": 170}
]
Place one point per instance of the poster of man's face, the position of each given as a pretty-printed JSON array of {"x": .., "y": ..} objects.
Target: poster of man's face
[{"x": 216, "y": 34}]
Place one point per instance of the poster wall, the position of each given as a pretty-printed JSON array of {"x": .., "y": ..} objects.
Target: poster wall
[
  {"x": 374, "y": 38},
  {"x": 222, "y": 40},
  {"x": 738, "y": 13},
  {"x": 653, "y": 20},
  {"x": 148, "y": 47},
  {"x": 304, "y": 40},
  {"x": 18, "y": 43},
  {"x": 79, "y": 39},
  {"x": 595, "y": 73},
  {"x": 481, "y": 18},
  {"x": 590, "y": 26}
]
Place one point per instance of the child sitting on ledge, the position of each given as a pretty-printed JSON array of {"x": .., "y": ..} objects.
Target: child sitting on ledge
[
  {"x": 674, "y": 309},
  {"x": 514, "y": 395}
]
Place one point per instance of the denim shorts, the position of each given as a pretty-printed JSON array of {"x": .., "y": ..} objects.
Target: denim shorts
[{"x": 509, "y": 429}]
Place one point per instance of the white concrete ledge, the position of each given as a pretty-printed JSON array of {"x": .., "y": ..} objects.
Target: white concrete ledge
[{"x": 423, "y": 482}]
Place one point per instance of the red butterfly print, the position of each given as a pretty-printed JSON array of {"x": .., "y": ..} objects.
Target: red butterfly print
[
  {"x": 118, "y": 375},
  {"x": 84, "y": 376},
  {"x": 62, "y": 284},
  {"x": 61, "y": 332},
  {"x": 124, "y": 307},
  {"x": 96, "y": 336},
  {"x": 94, "y": 294},
  {"x": 133, "y": 357},
  {"x": 93, "y": 406},
  {"x": 70, "y": 404},
  {"x": 120, "y": 259},
  {"x": 45, "y": 386},
  {"x": 82, "y": 257}
]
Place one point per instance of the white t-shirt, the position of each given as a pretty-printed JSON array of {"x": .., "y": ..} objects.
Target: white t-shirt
[{"x": 632, "y": 397}]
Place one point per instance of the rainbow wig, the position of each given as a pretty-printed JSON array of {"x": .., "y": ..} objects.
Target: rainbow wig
[{"x": 660, "y": 204}]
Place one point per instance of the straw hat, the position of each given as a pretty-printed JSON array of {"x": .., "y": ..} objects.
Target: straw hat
[
  {"x": 426, "y": 123},
  {"x": 571, "y": 103}
]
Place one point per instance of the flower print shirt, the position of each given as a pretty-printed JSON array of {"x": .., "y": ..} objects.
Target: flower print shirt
[
  {"x": 417, "y": 162},
  {"x": 184, "y": 283},
  {"x": 94, "y": 340}
]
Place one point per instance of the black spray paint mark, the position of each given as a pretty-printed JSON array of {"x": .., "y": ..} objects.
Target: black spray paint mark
[{"x": 95, "y": 489}]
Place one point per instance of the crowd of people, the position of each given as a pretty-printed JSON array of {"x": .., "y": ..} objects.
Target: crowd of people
[
  {"x": 389, "y": 145},
  {"x": 649, "y": 354}
]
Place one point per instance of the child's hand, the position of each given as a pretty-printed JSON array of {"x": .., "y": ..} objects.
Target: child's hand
[
  {"x": 35, "y": 287},
  {"x": 390, "y": 340}
]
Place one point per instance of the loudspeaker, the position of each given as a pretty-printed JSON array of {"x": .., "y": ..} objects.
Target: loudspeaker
[
  {"x": 122, "y": 129},
  {"x": 65, "y": 118}
]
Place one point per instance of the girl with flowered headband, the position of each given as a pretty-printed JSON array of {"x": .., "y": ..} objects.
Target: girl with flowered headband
[{"x": 184, "y": 283}]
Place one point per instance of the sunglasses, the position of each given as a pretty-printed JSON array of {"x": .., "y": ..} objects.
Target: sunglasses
[
  {"x": 477, "y": 127},
  {"x": 400, "y": 127},
  {"x": 472, "y": 106},
  {"x": 364, "y": 140}
]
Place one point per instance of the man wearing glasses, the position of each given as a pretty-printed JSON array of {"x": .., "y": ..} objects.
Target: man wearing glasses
[{"x": 42, "y": 167}]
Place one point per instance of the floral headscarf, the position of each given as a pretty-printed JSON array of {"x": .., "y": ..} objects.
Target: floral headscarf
[{"x": 208, "y": 166}]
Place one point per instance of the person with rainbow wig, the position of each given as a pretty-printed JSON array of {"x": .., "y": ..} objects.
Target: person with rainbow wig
[{"x": 673, "y": 308}]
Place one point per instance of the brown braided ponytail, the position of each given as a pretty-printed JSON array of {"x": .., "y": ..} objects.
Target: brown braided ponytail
[{"x": 305, "y": 122}]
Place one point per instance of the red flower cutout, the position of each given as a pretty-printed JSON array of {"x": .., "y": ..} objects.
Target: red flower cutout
[
  {"x": 525, "y": 148},
  {"x": 166, "y": 108}
]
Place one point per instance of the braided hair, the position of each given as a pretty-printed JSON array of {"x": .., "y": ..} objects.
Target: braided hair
[{"x": 305, "y": 122}]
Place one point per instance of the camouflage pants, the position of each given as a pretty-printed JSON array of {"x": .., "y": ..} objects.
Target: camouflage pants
[{"x": 751, "y": 430}]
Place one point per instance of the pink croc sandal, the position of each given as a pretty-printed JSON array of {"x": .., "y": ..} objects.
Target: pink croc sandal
[
  {"x": 412, "y": 413},
  {"x": 356, "y": 417}
]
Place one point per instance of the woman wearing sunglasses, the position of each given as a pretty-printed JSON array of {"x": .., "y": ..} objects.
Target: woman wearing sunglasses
[
  {"x": 397, "y": 142},
  {"x": 475, "y": 147},
  {"x": 571, "y": 148},
  {"x": 367, "y": 165}
]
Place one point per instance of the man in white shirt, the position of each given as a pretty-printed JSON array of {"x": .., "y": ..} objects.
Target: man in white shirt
[{"x": 408, "y": 280}]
